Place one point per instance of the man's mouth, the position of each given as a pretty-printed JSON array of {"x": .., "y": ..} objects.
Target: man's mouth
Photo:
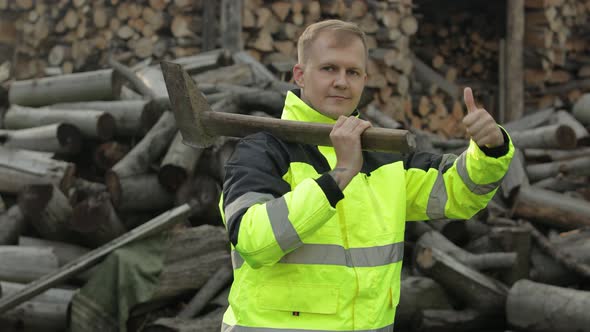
[{"x": 338, "y": 97}]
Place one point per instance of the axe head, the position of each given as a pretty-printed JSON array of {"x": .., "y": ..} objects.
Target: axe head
[{"x": 188, "y": 104}]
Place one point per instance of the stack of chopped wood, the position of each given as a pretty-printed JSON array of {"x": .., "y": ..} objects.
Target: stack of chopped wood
[
  {"x": 66, "y": 36},
  {"x": 557, "y": 53},
  {"x": 457, "y": 45},
  {"x": 271, "y": 29}
]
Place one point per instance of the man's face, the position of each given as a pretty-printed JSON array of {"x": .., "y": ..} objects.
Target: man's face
[{"x": 333, "y": 76}]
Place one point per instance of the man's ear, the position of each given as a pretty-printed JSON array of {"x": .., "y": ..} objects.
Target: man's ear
[{"x": 298, "y": 75}]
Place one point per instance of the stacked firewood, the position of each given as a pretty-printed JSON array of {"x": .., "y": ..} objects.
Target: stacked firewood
[
  {"x": 456, "y": 45},
  {"x": 69, "y": 36},
  {"x": 556, "y": 58}
]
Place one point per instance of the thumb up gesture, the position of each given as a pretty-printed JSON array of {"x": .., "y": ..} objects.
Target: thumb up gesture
[{"x": 480, "y": 125}]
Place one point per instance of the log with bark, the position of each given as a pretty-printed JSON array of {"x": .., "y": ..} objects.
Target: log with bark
[
  {"x": 96, "y": 221},
  {"x": 142, "y": 193},
  {"x": 60, "y": 138},
  {"x": 25, "y": 264},
  {"x": 94, "y": 85},
  {"x": 93, "y": 124},
  {"x": 550, "y": 208},
  {"x": 541, "y": 307},
  {"x": 418, "y": 294},
  {"x": 546, "y": 137},
  {"x": 19, "y": 168},
  {"x": 12, "y": 224},
  {"x": 576, "y": 166},
  {"x": 46, "y": 312},
  {"x": 456, "y": 320},
  {"x": 178, "y": 163},
  {"x": 475, "y": 289}
]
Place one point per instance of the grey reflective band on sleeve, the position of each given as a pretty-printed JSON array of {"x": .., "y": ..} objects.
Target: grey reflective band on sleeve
[
  {"x": 437, "y": 200},
  {"x": 285, "y": 233},
  {"x": 245, "y": 201},
  {"x": 237, "y": 328},
  {"x": 331, "y": 254},
  {"x": 478, "y": 189}
]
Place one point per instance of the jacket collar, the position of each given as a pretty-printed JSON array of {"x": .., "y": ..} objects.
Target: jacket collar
[{"x": 297, "y": 110}]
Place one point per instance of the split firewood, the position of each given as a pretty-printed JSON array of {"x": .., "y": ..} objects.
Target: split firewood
[
  {"x": 550, "y": 208},
  {"x": 61, "y": 138},
  {"x": 96, "y": 221},
  {"x": 93, "y": 124},
  {"x": 48, "y": 210},
  {"x": 46, "y": 312},
  {"x": 547, "y": 308},
  {"x": 473, "y": 288},
  {"x": 138, "y": 160},
  {"x": 94, "y": 85},
  {"x": 12, "y": 224},
  {"x": 19, "y": 168},
  {"x": 25, "y": 264},
  {"x": 132, "y": 117},
  {"x": 178, "y": 163}
]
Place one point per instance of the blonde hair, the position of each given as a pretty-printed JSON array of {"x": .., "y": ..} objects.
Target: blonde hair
[{"x": 312, "y": 32}]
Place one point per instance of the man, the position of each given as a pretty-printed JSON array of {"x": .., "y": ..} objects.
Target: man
[{"x": 317, "y": 232}]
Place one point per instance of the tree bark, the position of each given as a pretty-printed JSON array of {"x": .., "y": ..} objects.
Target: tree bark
[
  {"x": 553, "y": 209},
  {"x": 61, "y": 138},
  {"x": 581, "y": 109},
  {"x": 546, "y": 137},
  {"x": 93, "y": 124},
  {"x": 214, "y": 285},
  {"x": 132, "y": 117},
  {"x": 25, "y": 264},
  {"x": 19, "y": 168},
  {"x": 46, "y": 312},
  {"x": 456, "y": 321},
  {"x": 546, "y": 308},
  {"x": 94, "y": 85},
  {"x": 577, "y": 166}
]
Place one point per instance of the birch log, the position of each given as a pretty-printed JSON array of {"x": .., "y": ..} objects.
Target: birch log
[
  {"x": 93, "y": 124},
  {"x": 546, "y": 308},
  {"x": 178, "y": 164},
  {"x": 94, "y": 85},
  {"x": 19, "y": 168},
  {"x": 12, "y": 223},
  {"x": 61, "y": 138},
  {"x": 25, "y": 264}
]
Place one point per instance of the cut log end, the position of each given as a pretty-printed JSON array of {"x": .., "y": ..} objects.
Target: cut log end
[
  {"x": 34, "y": 198},
  {"x": 106, "y": 127},
  {"x": 566, "y": 137},
  {"x": 172, "y": 177},
  {"x": 69, "y": 137},
  {"x": 424, "y": 258}
]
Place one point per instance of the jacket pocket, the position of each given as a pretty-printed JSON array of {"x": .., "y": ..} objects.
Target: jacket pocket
[{"x": 318, "y": 299}]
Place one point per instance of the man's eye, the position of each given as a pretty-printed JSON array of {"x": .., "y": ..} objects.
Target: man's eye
[
  {"x": 353, "y": 72},
  {"x": 328, "y": 68}
]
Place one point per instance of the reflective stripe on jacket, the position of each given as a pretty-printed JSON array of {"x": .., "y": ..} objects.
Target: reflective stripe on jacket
[{"x": 307, "y": 256}]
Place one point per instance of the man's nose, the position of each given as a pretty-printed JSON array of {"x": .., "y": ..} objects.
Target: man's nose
[{"x": 341, "y": 80}]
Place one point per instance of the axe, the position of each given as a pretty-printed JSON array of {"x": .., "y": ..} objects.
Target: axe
[{"x": 200, "y": 126}]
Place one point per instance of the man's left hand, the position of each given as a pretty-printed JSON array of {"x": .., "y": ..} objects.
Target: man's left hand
[{"x": 480, "y": 125}]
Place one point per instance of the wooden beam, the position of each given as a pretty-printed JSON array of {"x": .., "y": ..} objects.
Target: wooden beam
[{"x": 514, "y": 59}]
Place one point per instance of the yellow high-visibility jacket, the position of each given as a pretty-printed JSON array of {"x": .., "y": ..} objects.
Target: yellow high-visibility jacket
[{"x": 308, "y": 256}]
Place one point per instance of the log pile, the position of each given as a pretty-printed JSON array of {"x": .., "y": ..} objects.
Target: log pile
[
  {"x": 557, "y": 64},
  {"x": 70, "y": 36}
]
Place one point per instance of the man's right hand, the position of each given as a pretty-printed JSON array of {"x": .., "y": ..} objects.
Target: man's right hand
[{"x": 346, "y": 138}]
